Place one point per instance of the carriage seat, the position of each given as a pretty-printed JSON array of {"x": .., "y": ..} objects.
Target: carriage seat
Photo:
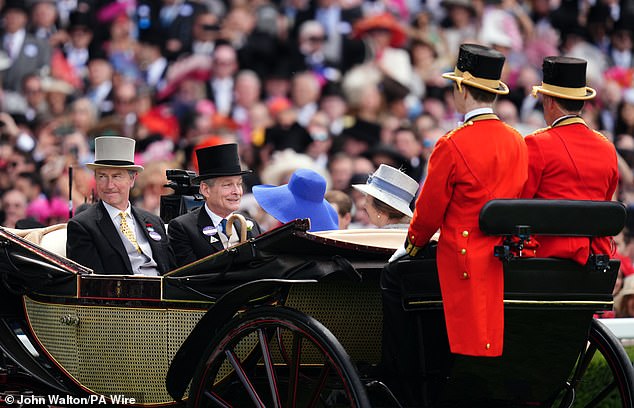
[
  {"x": 51, "y": 238},
  {"x": 382, "y": 238}
]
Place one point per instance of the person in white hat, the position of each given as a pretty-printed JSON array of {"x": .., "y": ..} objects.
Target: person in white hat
[
  {"x": 389, "y": 193},
  {"x": 111, "y": 236}
]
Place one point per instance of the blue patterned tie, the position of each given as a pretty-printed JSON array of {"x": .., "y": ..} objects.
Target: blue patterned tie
[{"x": 224, "y": 226}]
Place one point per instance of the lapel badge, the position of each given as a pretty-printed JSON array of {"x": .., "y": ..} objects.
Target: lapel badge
[
  {"x": 213, "y": 239},
  {"x": 155, "y": 235},
  {"x": 209, "y": 230}
]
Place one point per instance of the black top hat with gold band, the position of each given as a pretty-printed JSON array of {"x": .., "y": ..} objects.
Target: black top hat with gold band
[
  {"x": 565, "y": 77},
  {"x": 218, "y": 161},
  {"x": 480, "y": 67}
]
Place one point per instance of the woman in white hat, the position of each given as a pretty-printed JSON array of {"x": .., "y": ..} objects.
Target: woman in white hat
[{"x": 389, "y": 193}]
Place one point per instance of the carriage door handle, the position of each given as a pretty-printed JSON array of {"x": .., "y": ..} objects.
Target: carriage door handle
[{"x": 69, "y": 320}]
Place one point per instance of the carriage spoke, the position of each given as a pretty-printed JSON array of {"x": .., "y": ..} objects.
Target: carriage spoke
[
  {"x": 584, "y": 363},
  {"x": 248, "y": 385},
  {"x": 293, "y": 375},
  {"x": 321, "y": 382},
  {"x": 601, "y": 396},
  {"x": 215, "y": 398},
  {"x": 268, "y": 364}
]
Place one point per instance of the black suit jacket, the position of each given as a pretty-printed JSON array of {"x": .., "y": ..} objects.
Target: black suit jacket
[
  {"x": 93, "y": 241},
  {"x": 187, "y": 238}
]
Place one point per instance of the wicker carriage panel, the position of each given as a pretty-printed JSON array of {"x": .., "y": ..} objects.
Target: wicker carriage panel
[
  {"x": 124, "y": 351},
  {"x": 346, "y": 309},
  {"x": 114, "y": 350},
  {"x": 58, "y": 338}
]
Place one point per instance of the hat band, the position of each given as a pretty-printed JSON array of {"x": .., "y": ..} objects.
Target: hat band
[
  {"x": 466, "y": 76},
  {"x": 114, "y": 163},
  {"x": 573, "y": 92},
  {"x": 390, "y": 188}
]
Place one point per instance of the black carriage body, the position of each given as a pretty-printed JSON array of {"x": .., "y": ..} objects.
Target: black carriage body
[{"x": 161, "y": 326}]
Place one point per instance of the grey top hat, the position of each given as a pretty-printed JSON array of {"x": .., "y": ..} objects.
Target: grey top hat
[
  {"x": 114, "y": 152},
  {"x": 391, "y": 186}
]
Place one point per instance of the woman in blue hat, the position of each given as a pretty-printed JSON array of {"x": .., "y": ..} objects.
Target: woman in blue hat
[{"x": 302, "y": 197}]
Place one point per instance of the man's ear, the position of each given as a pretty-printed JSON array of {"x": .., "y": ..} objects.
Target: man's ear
[{"x": 204, "y": 189}]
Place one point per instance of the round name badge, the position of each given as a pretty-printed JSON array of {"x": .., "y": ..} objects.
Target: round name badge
[
  {"x": 209, "y": 231},
  {"x": 155, "y": 235}
]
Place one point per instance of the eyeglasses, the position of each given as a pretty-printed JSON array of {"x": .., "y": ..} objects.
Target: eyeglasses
[
  {"x": 316, "y": 39},
  {"x": 209, "y": 27}
]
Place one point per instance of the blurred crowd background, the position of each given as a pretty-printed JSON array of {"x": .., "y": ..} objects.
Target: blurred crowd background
[{"x": 338, "y": 86}]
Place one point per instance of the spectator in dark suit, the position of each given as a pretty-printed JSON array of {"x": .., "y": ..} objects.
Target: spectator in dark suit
[
  {"x": 27, "y": 53},
  {"x": 111, "y": 236},
  {"x": 202, "y": 231}
]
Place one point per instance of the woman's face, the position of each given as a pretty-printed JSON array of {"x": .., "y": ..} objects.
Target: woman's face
[{"x": 373, "y": 214}]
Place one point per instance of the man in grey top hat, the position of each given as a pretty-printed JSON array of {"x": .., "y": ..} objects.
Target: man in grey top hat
[{"x": 111, "y": 236}]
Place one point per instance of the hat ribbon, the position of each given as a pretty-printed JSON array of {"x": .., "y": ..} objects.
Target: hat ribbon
[
  {"x": 574, "y": 92},
  {"x": 114, "y": 162},
  {"x": 390, "y": 188},
  {"x": 467, "y": 76}
]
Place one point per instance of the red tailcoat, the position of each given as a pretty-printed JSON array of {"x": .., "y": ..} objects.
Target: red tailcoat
[
  {"x": 477, "y": 162},
  {"x": 571, "y": 161}
]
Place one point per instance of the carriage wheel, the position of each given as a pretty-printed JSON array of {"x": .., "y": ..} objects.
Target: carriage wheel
[
  {"x": 276, "y": 357},
  {"x": 612, "y": 383}
]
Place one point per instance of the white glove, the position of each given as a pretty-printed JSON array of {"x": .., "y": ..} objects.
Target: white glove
[{"x": 400, "y": 251}]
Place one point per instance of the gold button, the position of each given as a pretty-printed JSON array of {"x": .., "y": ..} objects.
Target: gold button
[
  {"x": 465, "y": 234},
  {"x": 465, "y": 275},
  {"x": 463, "y": 251},
  {"x": 488, "y": 346},
  {"x": 412, "y": 237}
]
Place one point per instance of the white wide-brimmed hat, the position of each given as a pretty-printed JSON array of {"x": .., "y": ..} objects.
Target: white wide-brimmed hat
[
  {"x": 114, "y": 152},
  {"x": 391, "y": 186}
]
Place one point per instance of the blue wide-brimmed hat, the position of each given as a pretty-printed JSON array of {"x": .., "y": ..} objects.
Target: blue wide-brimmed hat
[{"x": 302, "y": 197}]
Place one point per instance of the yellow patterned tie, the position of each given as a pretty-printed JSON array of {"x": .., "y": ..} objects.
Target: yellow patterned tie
[{"x": 125, "y": 229}]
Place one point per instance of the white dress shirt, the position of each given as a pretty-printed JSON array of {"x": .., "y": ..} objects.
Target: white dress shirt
[{"x": 142, "y": 263}]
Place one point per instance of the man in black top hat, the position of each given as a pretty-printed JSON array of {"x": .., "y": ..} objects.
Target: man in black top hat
[
  {"x": 568, "y": 160},
  {"x": 482, "y": 159},
  {"x": 202, "y": 232}
]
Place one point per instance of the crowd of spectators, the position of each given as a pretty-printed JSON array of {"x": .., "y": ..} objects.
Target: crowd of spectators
[{"x": 337, "y": 86}]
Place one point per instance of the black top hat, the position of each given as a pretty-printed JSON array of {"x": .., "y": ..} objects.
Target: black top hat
[
  {"x": 218, "y": 161},
  {"x": 82, "y": 19},
  {"x": 152, "y": 35},
  {"x": 480, "y": 67},
  {"x": 19, "y": 5},
  {"x": 565, "y": 77},
  {"x": 332, "y": 88}
]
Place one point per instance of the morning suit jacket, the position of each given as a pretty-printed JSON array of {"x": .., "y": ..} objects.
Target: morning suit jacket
[
  {"x": 571, "y": 161},
  {"x": 34, "y": 55},
  {"x": 479, "y": 161},
  {"x": 190, "y": 243},
  {"x": 94, "y": 241}
]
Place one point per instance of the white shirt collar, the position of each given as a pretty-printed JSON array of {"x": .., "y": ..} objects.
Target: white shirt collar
[
  {"x": 215, "y": 218},
  {"x": 114, "y": 212},
  {"x": 476, "y": 112}
]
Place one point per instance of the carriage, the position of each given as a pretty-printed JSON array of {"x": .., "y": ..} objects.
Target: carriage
[{"x": 294, "y": 319}]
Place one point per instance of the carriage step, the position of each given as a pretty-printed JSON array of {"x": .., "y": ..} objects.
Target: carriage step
[{"x": 388, "y": 399}]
